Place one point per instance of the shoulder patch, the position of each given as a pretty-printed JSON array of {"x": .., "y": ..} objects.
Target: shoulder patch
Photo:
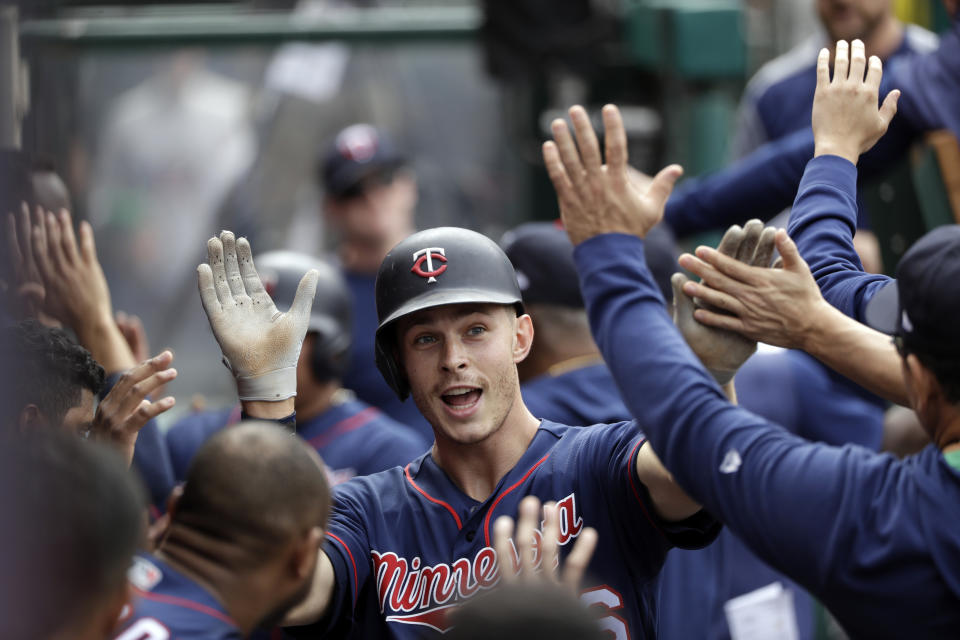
[{"x": 143, "y": 574}]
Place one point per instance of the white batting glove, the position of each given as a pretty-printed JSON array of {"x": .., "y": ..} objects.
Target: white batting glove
[{"x": 260, "y": 345}]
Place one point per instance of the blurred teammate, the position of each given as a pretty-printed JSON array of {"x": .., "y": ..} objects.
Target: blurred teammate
[
  {"x": 72, "y": 519},
  {"x": 351, "y": 437},
  {"x": 370, "y": 197},
  {"x": 871, "y": 536},
  {"x": 241, "y": 545}
]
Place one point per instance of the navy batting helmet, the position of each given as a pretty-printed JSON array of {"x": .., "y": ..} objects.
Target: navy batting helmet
[
  {"x": 332, "y": 311},
  {"x": 436, "y": 267}
]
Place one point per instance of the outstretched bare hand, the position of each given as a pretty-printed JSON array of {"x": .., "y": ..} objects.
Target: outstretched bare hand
[
  {"x": 598, "y": 198},
  {"x": 534, "y": 555},
  {"x": 260, "y": 345},
  {"x": 846, "y": 120}
]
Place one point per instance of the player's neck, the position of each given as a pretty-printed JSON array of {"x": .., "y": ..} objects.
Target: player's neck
[
  {"x": 212, "y": 565},
  {"x": 477, "y": 468},
  {"x": 948, "y": 434},
  {"x": 317, "y": 400}
]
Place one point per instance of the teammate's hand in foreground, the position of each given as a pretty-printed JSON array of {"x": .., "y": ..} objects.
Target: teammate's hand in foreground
[
  {"x": 25, "y": 291},
  {"x": 722, "y": 351},
  {"x": 776, "y": 306},
  {"x": 846, "y": 120},
  {"x": 126, "y": 409},
  {"x": 260, "y": 345},
  {"x": 535, "y": 556},
  {"x": 598, "y": 198}
]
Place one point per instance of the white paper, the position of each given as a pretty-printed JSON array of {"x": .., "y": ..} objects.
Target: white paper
[{"x": 764, "y": 614}]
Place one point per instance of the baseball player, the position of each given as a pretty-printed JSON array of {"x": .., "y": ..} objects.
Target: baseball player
[
  {"x": 406, "y": 545},
  {"x": 351, "y": 437},
  {"x": 873, "y": 537},
  {"x": 240, "y": 548}
]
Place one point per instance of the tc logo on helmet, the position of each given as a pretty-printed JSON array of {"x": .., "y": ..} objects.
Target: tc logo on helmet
[{"x": 427, "y": 256}]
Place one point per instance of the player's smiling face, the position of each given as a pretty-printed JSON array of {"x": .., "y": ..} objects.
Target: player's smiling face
[{"x": 460, "y": 361}]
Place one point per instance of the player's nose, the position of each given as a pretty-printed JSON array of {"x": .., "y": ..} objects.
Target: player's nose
[{"x": 454, "y": 355}]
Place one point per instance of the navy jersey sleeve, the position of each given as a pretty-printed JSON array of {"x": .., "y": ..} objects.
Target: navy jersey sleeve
[
  {"x": 775, "y": 490},
  {"x": 822, "y": 224}
]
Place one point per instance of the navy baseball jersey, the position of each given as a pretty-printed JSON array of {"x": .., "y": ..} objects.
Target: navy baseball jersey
[
  {"x": 362, "y": 376},
  {"x": 585, "y": 395},
  {"x": 169, "y": 605},
  {"x": 407, "y": 545},
  {"x": 352, "y": 438},
  {"x": 873, "y": 537}
]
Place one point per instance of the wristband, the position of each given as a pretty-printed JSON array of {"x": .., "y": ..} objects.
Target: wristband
[{"x": 279, "y": 384}]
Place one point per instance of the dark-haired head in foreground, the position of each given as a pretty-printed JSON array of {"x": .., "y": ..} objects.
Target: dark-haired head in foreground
[
  {"x": 72, "y": 519},
  {"x": 250, "y": 521},
  {"x": 46, "y": 379}
]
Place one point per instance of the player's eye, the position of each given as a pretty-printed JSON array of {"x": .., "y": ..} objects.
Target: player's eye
[
  {"x": 476, "y": 330},
  {"x": 424, "y": 339}
]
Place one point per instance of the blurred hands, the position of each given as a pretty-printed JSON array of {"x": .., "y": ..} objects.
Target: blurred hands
[
  {"x": 776, "y": 306},
  {"x": 598, "y": 198},
  {"x": 126, "y": 409},
  {"x": 722, "y": 351},
  {"x": 25, "y": 292},
  {"x": 846, "y": 120},
  {"x": 260, "y": 345},
  {"x": 534, "y": 556}
]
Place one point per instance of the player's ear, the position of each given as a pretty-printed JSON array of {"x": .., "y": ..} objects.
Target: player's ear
[
  {"x": 523, "y": 338},
  {"x": 30, "y": 418},
  {"x": 923, "y": 383}
]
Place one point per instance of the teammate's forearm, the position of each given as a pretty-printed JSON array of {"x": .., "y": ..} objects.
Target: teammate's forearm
[{"x": 858, "y": 352}]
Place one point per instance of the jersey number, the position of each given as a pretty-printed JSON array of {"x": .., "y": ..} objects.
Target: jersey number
[
  {"x": 145, "y": 629},
  {"x": 610, "y": 601}
]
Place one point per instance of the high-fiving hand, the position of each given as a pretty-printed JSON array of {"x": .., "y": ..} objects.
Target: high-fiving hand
[
  {"x": 260, "y": 345},
  {"x": 722, "y": 351},
  {"x": 598, "y": 198},
  {"x": 846, "y": 120}
]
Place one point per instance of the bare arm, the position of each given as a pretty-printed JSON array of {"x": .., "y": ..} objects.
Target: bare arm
[{"x": 312, "y": 608}]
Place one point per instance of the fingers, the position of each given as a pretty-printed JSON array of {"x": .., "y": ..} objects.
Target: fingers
[
  {"x": 662, "y": 185},
  {"x": 54, "y": 241},
  {"x": 550, "y": 540},
  {"x": 841, "y": 62},
  {"x": 502, "y": 532},
  {"x": 525, "y": 538},
  {"x": 710, "y": 275},
  {"x": 789, "y": 254},
  {"x": 21, "y": 249},
  {"x": 730, "y": 267},
  {"x": 889, "y": 107},
  {"x": 710, "y": 298},
  {"x": 70, "y": 251},
  {"x": 569, "y": 155},
  {"x": 558, "y": 175},
  {"x": 577, "y": 561},
  {"x": 682, "y": 303},
  {"x": 858, "y": 60},
  {"x": 251, "y": 279},
  {"x": 765, "y": 248},
  {"x": 718, "y": 320},
  {"x": 615, "y": 139},
  {"x": 730, "y": 242},
  {"x": 231, "y": 266},
  {"x": 208, "y": 295},
  {"x": 39, "y": 241},
  {"x": 823, "y": 68},
  {"x": 136, "y": 384},
  {"x": 88, "y": 246},
  {"x": 751, "y": 237},
  {"x": 874, "y": 72},
  {"x": 303, "y": 301},
  {"x": 217, "y": 267},
  {"x": 586, "y": 140}
]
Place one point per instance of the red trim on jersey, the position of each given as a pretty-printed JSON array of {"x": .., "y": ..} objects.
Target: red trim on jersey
[
  {"x": 406, "y": 472},
  {"x": 486, "y": 520},
  {"x": 631, "y": 465},
  {"x": 356, "y": 587},
  {"x": 344, "y": 426},
  {"x": 185, "y": 603}
]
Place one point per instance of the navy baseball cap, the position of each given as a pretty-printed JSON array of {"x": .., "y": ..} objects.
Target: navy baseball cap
[
  {"x": 922, "y": 305},
  {"x": 542, "y": 256},
  {"x": 358, "y": 152}
]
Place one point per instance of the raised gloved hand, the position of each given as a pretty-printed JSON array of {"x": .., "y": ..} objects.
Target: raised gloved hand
[
  {"x": 722, "y": 352},
  {"x": 260, "y": 345}
]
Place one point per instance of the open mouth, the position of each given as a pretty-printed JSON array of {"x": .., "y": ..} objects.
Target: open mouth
[{"x": 462, "y": 397}]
